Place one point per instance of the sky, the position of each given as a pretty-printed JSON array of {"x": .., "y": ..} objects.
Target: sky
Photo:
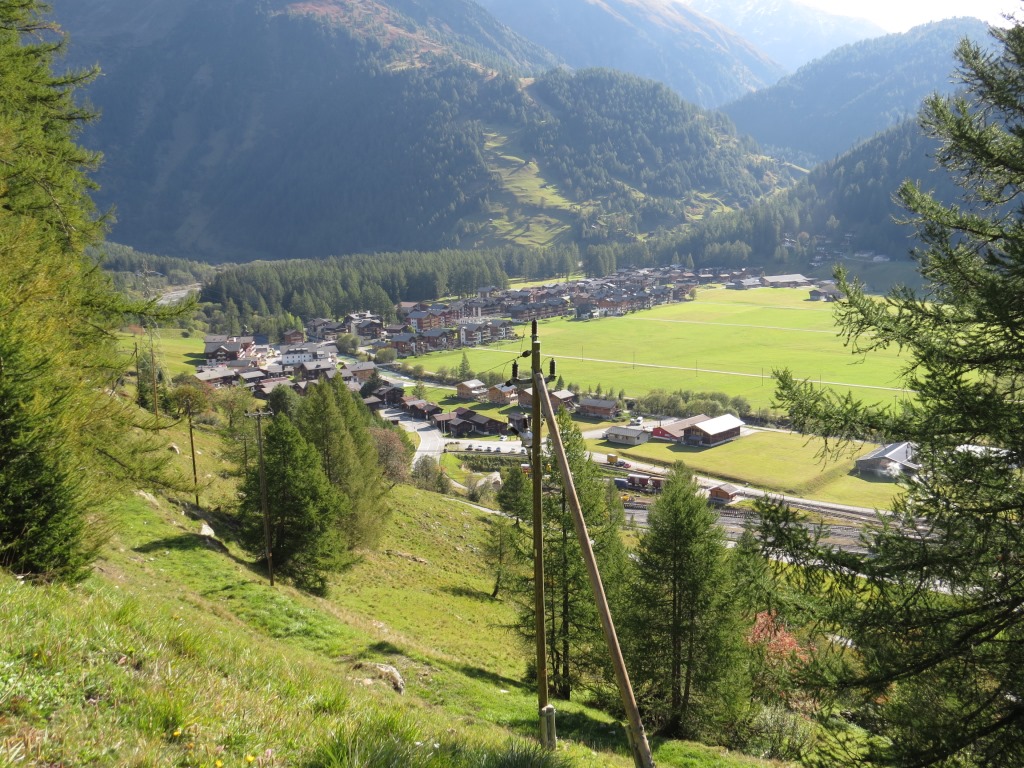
[{"x": 901, "y": 15}]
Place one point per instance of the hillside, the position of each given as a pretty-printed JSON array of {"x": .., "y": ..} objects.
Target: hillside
[
  {"x": 175, "y": 651},
  {"x": 854, "y": 92},
  {"x": 664, "y": 40},
  {"x": 312, "y": 135},
  {"x": 790, "y": 32}
]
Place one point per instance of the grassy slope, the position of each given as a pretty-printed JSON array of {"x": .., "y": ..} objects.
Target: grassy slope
[
  {"x": 177, "y": 652},
  {"x": 733, "y": 338}
]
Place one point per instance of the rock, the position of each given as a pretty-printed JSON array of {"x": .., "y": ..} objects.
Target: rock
[
  {"x": 384, "y": 672},
  {"x": 174, "y": 448},
  {"x": 206, "y": 530}
]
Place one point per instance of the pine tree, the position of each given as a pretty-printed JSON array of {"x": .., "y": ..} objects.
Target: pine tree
[
  {"x": 684, "y": 635},
  {"x": 931, "y": 617},
  {"x": 307, "y": 514}
]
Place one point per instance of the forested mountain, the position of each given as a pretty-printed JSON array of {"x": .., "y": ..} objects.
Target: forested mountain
[
  {"x": 242, "y": 130},
  {"x": 842, "y": 207},
  {"x": 665, "y": 40},
  {"x": 854, "y": 92},
  {"x": 790, "y": 32}
]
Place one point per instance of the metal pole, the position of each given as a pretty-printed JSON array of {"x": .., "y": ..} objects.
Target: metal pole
[
  {"x": 641, "y": 750},
  {"x": 547, "y": 713},
  {"x": 268, "y": 552}
]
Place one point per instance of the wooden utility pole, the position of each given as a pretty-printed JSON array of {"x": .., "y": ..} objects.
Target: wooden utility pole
[
  {"x": 639, "y": 747},
  {"x": 548, "y": 736},
  {"x": 268, "y": 552}
]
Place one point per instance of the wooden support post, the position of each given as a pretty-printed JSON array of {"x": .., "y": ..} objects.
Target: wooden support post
[{"x": 641, "y": 750}]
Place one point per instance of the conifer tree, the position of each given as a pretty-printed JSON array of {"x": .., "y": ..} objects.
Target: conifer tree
[
  {"x": 307, "y": 513},
  {"x": 684, "y": 635},
  {"x": 66, "y": 441},
  {"x": 577, "y": 655},
  {"x": 931, "y": 618}
]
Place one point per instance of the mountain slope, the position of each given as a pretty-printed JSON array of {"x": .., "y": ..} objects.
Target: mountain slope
[
  {"x": 788, "y": 31},
  {"x": 855, "y": 91},
  {"x": 664, "y": 40},
  {"x": 234, "y": 132}
]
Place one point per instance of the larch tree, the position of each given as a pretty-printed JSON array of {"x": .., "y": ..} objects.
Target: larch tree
[
  {"x": 67, "y": 442},
  {"x": 931, "y": 619}
]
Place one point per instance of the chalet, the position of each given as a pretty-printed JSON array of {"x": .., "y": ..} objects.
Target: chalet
[
  {"x": 221, "y": 376},
  {"x": 390, "y": 394},
  {"x": 425, "y": 319},
  {"x": 505, "y": 394},
  {"x": 601, "y": 409},
  {"x": 484, "y": 424},
  {"x": 424, "y": 409},
  {"x": 452, "y": 425},
  {"x": 627, "y": 435},
  {"x": 373, "y": 402},
  {"x": 563, "y": 398},
  {"x": 472, "y": 389},
  {"x": 439, "y": 338},
  {"x": 361, "y": 372},
  {"x": 889, "y": 461},
  {"x": 293, "y": 337},
  {"x": 406, "y": 344},
  {"x": 265, "y": 387},
  {"x": 367, "y": 328},
  {"x": 315, "y": 370},
  {"x": 723, "y": 494},
  {"x": 714, "y": 431},
  {"x": 676, "y": 430},
  {"x": 220, "y": 349},
  {"x": 826, "y": 294},
  {"x": 393, "y": 328},
  {"x": 250, "y": 378},
  {"x": 322, "y": 328}
]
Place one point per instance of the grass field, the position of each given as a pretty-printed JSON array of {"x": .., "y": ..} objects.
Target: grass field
[
  {"x": 176, "y": 352},
  {"x": 726, "y": 341},
  {"x": 774, "y": 461}
]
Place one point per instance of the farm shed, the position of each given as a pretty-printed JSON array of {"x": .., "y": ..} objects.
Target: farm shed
[
  {"x": 627, "y": 435},
  {"x": 889, "y": 461},
  {"x": 676, "y": 430},
  {"x": 714, "y": 431},
  {"x": 723, "y": 494},
  {"x": 604, "y": 409}
]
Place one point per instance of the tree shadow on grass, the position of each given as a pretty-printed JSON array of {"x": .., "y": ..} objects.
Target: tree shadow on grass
[
  {"x": 190, "y": 542},
  {"x": 597, "y": 735},
  {"x": 479, "y": 673},
  {"x": 473, "y": 594}
]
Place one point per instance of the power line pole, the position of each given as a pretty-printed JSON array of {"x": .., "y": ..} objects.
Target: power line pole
[
  {"x": 267, "y": 550},
  {"x": 548, "y": 736},
  {"x": 639, "y": 746}
]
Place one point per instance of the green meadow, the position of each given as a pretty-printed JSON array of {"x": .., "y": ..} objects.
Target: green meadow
[
  {"x": 780, "y": 462},
  {"x": 727, "y": 341}
]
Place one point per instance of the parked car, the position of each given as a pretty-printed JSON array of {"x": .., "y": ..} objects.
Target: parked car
[
  {"x": 503, "y": 438},
  {"x": 623, "y": 464}
]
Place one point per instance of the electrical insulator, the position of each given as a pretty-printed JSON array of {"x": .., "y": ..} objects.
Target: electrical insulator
[
  {"x": 551, "y": 368},
  {"x": 515, "y": 369}
]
